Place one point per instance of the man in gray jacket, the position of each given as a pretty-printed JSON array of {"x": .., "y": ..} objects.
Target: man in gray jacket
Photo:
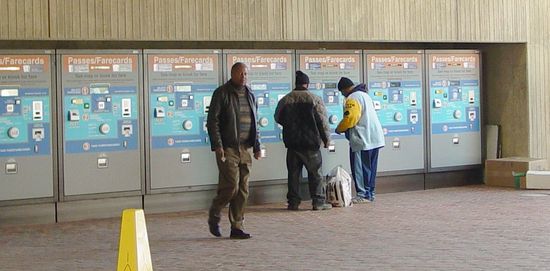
[
  {"x": 304, "y": 119},
  {"x": 232, "y": 129}
]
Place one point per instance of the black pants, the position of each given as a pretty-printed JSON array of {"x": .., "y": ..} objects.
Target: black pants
[{"x": 295, "y": 161}]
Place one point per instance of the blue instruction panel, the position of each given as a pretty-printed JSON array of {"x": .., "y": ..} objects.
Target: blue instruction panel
[
  {"x": 270, "y": 77},
  {"x": 395, "y": 86},
  {"x": 324, "y": 71},
  {"x": 25, "y": 110},
  {"x": 100, "y": 102},
  {"x": 454, "y": 93},
  {"x": 180, "y": 89}
]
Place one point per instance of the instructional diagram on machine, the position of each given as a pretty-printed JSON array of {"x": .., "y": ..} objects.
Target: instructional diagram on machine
[
  {"x": 270, "y": 78},
  {"x": 324, "y": 71},
  {"x": 454, "y": 93},
  {"x": 180, "y": 90},
  {"x": 100, "y": 99},
  {"x": 395, "y": 86},
  {"x": 25, "y": 118}
]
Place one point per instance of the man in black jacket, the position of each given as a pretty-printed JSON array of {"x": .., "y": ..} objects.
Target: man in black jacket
[
  {"x": 304, "y": 119},
  {"x": 232, "y": 129}
]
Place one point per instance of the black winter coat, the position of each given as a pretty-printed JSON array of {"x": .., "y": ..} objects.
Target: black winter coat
[
  {"x": 223, "y": 118},
  {"x": 304, "y": 119}
]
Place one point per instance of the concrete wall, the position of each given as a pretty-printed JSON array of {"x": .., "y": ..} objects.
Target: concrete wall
[
  {"x": 538, "y": 51},
  {"x": 506, "y": 96},
  {"x": 290, "y": 20}
]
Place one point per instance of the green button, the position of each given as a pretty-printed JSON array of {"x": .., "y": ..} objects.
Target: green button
[
  {"x": 86, "y": 105},
  {"x": 171, "y": 103}
]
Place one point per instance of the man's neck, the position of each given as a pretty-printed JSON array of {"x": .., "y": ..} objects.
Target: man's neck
[{"x": 236, "y": 86}]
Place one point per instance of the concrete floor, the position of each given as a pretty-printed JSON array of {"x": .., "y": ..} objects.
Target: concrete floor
[{"x": 460, "y": 228}]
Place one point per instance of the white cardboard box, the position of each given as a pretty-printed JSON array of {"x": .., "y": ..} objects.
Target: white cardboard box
[{"x": 537, "y": 179}]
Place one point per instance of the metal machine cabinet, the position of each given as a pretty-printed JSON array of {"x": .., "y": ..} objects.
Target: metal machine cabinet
[
  {"x": 27, "y": 134},
  {"x": 395, "y": 84},
  {"x": 271, "y": 77},
  {"x": 325, "y": 68},
  {"x": 179, "y": 86},
  {"x": 100, "y": 120},
  {"x": 454, "y": 99}
]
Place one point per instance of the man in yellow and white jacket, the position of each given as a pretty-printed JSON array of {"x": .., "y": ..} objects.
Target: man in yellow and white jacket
[{"x": 364, "y": 132}]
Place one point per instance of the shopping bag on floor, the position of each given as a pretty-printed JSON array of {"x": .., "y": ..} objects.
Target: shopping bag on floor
[{"x": 339, "y": 187}]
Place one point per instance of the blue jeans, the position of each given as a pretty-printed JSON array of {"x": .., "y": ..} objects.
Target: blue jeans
[{"x": 363, "y": 169}]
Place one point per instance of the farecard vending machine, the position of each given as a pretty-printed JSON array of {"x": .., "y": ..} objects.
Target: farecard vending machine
[
  {"x": 271, "y": 77},
  {"x": 325, "y": 68},
  {"x": 395, "y": 84},
  {"x": 27, "y": 136},
  {"x": 100, "y": 122},
  {"x": 454, "y": 102},
  {"x": 179, "y": 85}
]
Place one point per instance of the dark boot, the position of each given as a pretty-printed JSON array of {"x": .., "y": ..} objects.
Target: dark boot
[
  {"x": 239, "y": 234},
  {"x": 214, "y": 224}
]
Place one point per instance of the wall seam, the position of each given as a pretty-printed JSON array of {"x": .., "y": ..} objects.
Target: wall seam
[
  {"x": 456, "y": 18},
  {"x": 49, "y": 22}
]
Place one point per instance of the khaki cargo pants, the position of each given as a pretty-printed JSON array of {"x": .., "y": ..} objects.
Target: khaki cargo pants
[{"x": 232, "y": 186}]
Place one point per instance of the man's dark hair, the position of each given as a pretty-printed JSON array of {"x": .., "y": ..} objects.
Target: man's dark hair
[{"x": 236, "y": 66}]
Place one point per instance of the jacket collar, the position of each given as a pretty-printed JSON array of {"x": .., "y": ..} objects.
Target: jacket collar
[
  {"x": 233, "y": 89},
  {"x": 361, "y": 87}
]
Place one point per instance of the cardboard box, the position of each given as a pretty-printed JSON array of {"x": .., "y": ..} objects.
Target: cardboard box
[
  {"x": 537, "y": 180},
  {"x": 498, "y": 172}
]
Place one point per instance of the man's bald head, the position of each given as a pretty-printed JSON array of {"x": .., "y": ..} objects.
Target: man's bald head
[{"x": 239, "y": 74}]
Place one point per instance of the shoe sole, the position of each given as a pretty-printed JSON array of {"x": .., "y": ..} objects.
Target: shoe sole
[
  {"x": 239, "y": 237},
  {"x": 320, "y": 209}
]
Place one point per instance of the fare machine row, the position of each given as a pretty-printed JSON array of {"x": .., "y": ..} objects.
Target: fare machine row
[
  {"x": 428, "y": 103},
  {"x": 180, "y": 85},
  {"x": 449, "y": 103}
]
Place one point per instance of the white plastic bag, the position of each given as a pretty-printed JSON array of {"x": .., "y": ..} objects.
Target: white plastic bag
[{"x": 339, "y": 187}]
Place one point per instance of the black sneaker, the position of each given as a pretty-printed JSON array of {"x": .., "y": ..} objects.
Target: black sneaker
[
  {"x": 323, "y": 206},
  {"x": 214, "y": 228},
  {"x": 239, "y": 234}
]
